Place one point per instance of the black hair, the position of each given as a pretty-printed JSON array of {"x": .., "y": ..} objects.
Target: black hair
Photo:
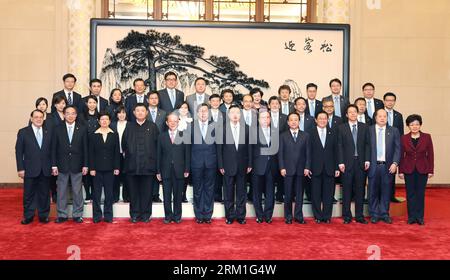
[
  {"x": 34, "y": 111},
  {"x": 293, "y": 113},
  {"x": 412, "y": 118},
  {"x": 227, "y": 90},
  {"x": 40, "y": 99},
  {"x": 360, "y": 99},
  {"x": 272, "y": 98},
  {"x": 368, "y": 85},
  {"x": 320, "y": 112},
  {"x": 152, "y": 92},
  {"x": 69, "y": 75},
  {"x": 103, "y": 113},
  {"x": 95, "y": 81},
  {"x": 351, "y": 106},
  {"x": 255, "y": 91},
  {"x": 311, "y": 85},
  {"x": 69, "y": 107},
  {"x": 300, "y": 98},
  {"x": 387, "y": 94},
  {"x": 335, "y": 80},
  {"x": 140, "y": 105},
  {"x": 111, "y": 94},
  {"x": 286, "y": 87},
  {"x": 170, "y": 73},
  {"x": 119, "y": 109},
  {"x": 138, "y": 80},
  {"x": 200, "y": 78},
  {"x": 215, "y": 95}
]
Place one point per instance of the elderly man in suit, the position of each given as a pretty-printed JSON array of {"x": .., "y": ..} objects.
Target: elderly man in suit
[
  {"x": 384, "y": 160},
  {"x": 70, "y": 162},
  {"x": 173, "y": 165},
  {"x": 170, "y": 97},
  {"x": 294, "y": 159},
  {"x": 199, "y": 97},
  {"x": 33, "y": 158}
]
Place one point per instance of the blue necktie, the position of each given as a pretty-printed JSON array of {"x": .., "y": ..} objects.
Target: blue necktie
[
  {"x": 312, "y": 109},
  {"x": 295, "y": 136},
  {"x": 70, "y": 134},
  {"x": 154, "y": 115},
  {"x": 355, "y": 138},
  {"x": 380, "y": 148},
  {"x": 172, "y": 98},
  {"x": 302, "y": 123},
  {"x": 322, "y": 137},
  {"x": 369, "y": 108},
  {"x": 39, "y": 137},
  {"x": 337, "y": 106},
  {"x": 390, "y": 118}
]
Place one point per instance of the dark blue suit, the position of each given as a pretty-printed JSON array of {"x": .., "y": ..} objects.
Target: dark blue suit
[
  {"x": 36, "y": 162},
  {"x": 204, "y": 169},
  {"x": 130, "y": 102},
  {"x": 295, "y": 157},
  {"x": 164, "y": 100},
  {"x": 380, "y": 180},
  {"x": 265, "y": 168}
]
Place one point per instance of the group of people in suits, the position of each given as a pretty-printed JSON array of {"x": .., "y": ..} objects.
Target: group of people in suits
[{"x": 281, "y": 149}]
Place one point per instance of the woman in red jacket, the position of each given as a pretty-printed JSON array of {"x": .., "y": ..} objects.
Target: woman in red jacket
[{"x": 416, "y": 166}]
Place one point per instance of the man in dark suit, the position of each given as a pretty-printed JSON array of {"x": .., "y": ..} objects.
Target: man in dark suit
[
  {"x": 173, "y": 165},
  {"x": 33, "y": 158},
  {"x": 73, "y": 98},
  {"x": 218, "y": 118},
  {"x": 158, "y": 117},
  {"x": 313, "y": 106},
  {"x": 394, "y": 119},
  {"x": 294, "y": 159},
  {"x": 384, "y": 160},
  {"x": 340, "y": 102},
  {"x": 354, "y": 161},
  {"x": 333, "y": 121},
  {"x": 265, "y": 167},
  {"x": 284, "y": 93},
  {"x": 227, "y": 96},
  {"x": 170, "y": 97},
  {"x": 139, "y": 145},
  {"x": 234, "y": 156},
  {"x": 204, "y": 163},
  {"x": 323, "y": 167},
  {"x": 279, "y": 123},
  {"x": 135, "y": 98},
  {"x": 372, "y": 103},
  {"x": 70, "y": 162},
  {"x": 199, "y": 97},
  {"x": 363, "y": 116},
  {"x": 306, "y": 124},
  {"x": 95, "y": 89}
]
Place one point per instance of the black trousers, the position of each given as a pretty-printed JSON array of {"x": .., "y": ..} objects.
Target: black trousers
[
  {"x": 322, "y": 196},
  {"x": 393, "y": 189},
  {"x": 248, "y": 183},
  {"x": 36, "y": 195},
  {"x": 88, "y": 183},
  {"x": 173, "y": 187},
  {"x": 103, "y": 180},
  {"x": 263, "y": 184},
  {"x": 353, "y": 186},
  {"x": 203, "y": 183},
  {"x": 278, "y": 181},
  {"x": 118, "y": 180},
  {"x": 235, "y": 194},
  {"x": 53, "y": 187},
  {"x": 218, "y": 186},
  {"x": 141, "y": 189},
  {"x": 293, "y": 185},
  {"x": 415, "y": 194},
  {"x": 307, "y": 184}
]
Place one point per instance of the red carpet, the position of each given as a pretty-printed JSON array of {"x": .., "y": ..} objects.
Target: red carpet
[{"x": 188, "y": 240}]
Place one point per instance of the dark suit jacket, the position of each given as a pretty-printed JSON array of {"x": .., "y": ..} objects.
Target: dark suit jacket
[
  {"x": 420, "y": 158},
  {"x": 398, "y": 122},
  {"x": 291, "y": 107},
  {"x": 318, "y": 107},
  {"x": 177, "y": 155},
  {"x": 160, "y": 119},
  {"x": 140, "y": 160},
  {"x": 223, "y": 108},
  {"x": 392, "y": 148},
  {"x": 344, "y": 104},
  {"x": 192, "y": 102},
  {"x": 104, "y": 156},
  {"x": 323, "y": 159},
  {"x": 346, "y": 146},
  {"x": 164, "y": 100},
  {"x": 29, "y": 156},
  {"x": 103, "y": 103},
  {"x": 112, "y": 110},
  {"x": 282, "y": 122},
  {"x": 70, "y": 157},
  {"x": 309, "y": 122},
  {"x": 265, "y": 154},
  {"x": 235, "y": 161},
  {"x": 295, "y": 157},
  {"x": 130, "y": 102},
  {"x": 379, "y": 104},
  {"x": 367, "y": 119},
  {"x": 203, "y": 153},
  {"x": 221, "y": 116},
  {"x": 76, "y": 100},
  {"x": 335, "y": 122}
]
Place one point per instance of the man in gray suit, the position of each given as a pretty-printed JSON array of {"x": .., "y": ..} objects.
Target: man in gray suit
[
  {"x": 384, "y": 160},
  {"x": 158, "y": 117},
  {"x": 199, "y": 97}
]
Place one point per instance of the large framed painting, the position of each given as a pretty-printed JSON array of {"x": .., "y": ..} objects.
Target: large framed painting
[{"x": 233, "y": 55}]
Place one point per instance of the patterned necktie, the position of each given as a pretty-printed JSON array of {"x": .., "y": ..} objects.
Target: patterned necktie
[
  {"x": 39, "y": 137},
  {"x": 154, "y": 115},
  {"x": 355, "y": 138},
  {"x": 337, "y": 106},
  {"x": 69, "y": 99}
]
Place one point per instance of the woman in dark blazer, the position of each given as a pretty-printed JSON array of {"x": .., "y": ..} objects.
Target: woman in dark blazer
[
  {"x": 115, "y": 100},
  {"x": 416, "y": 167},
  {"x": 104, "y": 164},
  {"x": 119, "y": 127}
]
